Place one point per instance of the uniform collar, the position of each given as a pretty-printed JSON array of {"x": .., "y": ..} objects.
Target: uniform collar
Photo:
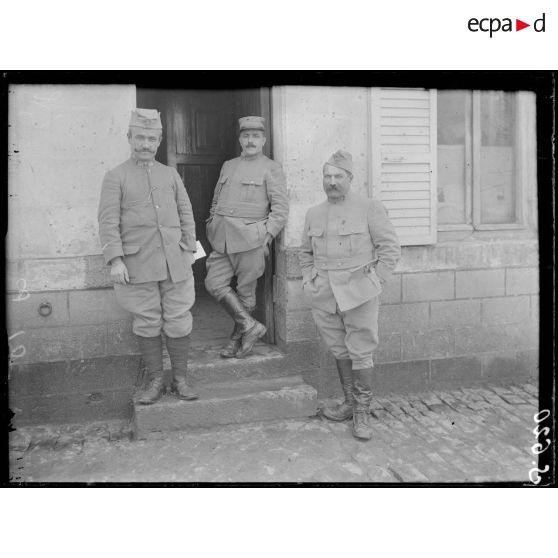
[
  {"x": 251, "y": 157},
  {"x": 142, "y": 164}
]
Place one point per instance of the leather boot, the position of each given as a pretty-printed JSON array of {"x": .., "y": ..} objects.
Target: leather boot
[
  {"x": 250, "y": 329},
  {"x": 177, "y": 348},
  {"x": 235, "y": 341},
  {"x": 344, "y": 410},
  {"x": 362, "y": 391},
  {"x": 151, "y": 349}
]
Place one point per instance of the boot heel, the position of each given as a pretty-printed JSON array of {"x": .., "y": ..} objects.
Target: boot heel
[
  {"x": 339, "y": 413},
  {"x": 249, "y": 339}
]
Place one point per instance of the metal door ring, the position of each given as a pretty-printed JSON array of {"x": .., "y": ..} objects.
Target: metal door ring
[{"x": 45, "y": 309}]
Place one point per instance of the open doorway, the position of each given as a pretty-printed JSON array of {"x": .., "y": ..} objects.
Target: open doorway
[{"x": 200, "y": 133}]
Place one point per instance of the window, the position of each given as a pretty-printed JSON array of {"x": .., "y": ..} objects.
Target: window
[
  {"x": 478, "y": 160},
  {"x": 453, "y": 160}
]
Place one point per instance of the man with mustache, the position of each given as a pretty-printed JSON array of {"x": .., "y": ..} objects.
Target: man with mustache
[
  {"x": 349, "y": 249},
  {"x": 249, "y": 209},
  {"x": 148, "y": 235}
]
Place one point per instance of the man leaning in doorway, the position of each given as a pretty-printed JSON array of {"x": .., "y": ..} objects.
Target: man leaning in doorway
[
  {"x": 148, "y": 237},
  {"x": 249, "y": 209},
  {"x": 348, "y": 251}
]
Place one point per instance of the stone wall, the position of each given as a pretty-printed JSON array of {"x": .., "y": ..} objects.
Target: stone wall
[
  {"x": 458, "y": 312},
  {"x": 309, "y": 124},
  {"x": 62, "y": 139},
  {"x": 439, "y": 327}
]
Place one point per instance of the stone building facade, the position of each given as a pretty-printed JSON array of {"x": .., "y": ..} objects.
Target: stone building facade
[{"x": 461, "y": 309}]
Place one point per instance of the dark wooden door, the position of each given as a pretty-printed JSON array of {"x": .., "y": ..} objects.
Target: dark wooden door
[
  {"x": 200, "y": 134},
  {"x": 200, "y": 137}
]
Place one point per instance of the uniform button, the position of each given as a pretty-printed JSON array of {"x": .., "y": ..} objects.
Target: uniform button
[
  {"x": 156, "y": 207},
  {"x": 232, "y": 211},
  {"x": 160, "y": 226},
  {"x": 158, "y": 246},
  {"x": 338, "y": 264}
]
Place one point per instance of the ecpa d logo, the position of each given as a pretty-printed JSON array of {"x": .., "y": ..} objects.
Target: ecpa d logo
[{"x": 493, "y": 25}]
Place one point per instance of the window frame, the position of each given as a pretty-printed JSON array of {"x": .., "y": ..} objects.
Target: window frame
[{"x": 524, "y": 145}]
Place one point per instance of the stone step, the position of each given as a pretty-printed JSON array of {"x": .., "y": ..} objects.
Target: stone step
[
  {"x": 206, "y": 366},
  {"x": 248, "y": 400}
]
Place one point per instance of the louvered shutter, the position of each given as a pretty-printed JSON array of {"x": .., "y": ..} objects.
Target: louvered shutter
[{"x": 404, "y": 146}]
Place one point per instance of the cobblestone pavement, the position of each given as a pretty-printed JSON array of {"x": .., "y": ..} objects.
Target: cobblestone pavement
[{"x": 466, "y": 435}]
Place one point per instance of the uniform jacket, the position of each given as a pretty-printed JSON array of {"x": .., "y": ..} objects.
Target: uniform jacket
[
  {"x": 347, "y": 251},
  {"x": 250, "y": 200},
  {"x": 146, "y": 217}
]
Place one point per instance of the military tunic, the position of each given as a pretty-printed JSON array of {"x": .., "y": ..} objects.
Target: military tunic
[
  {"x": 250, "y": 200},
  {"x": 145, "y": 217},
  {"x": 348, "y": 250}
]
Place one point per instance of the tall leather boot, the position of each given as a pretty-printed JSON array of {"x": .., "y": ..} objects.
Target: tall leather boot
[
  {"x": 177, "y": 348},
  {"x": 151, "y": 349},
  {"x": 250, "y": 329},
  {"x": 362, "y": 391},
  {"x": 233, "y": 345},
  {"x": 344, "y": 410}
]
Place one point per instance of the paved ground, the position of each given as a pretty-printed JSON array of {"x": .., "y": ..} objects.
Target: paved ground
[{"x": 468, "y": 435}]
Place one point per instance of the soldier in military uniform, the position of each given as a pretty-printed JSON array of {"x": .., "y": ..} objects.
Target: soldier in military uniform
[
  {"x": 147, "y": 232},
  {"x": 349, "y": 249},
  {"x": 249, "y": 209}
]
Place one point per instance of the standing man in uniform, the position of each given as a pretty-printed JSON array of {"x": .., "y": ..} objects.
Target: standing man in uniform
[
  {"x": 249, "y": 209},
  {"x": 148, "y": 237},
  {"x": 349, "y": 249}
]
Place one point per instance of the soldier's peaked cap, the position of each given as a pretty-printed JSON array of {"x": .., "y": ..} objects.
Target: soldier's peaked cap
[
  {"x": 146, "y": 118},
  {"x": 342, "y": 160},
  {"x": 251, "y": 123}
]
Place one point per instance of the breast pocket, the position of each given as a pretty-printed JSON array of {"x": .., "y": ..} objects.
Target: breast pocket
[
  {"x": 354, "y": 238},
  {"x": 251, "y": 189},
  {"x": 316, "y": 235},
  {"x": 166, "y": 194}
]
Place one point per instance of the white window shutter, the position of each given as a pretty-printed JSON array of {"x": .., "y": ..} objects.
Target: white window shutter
[{"x": 404, "y": 146}]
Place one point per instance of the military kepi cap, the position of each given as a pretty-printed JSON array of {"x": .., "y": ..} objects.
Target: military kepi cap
[
  {"x": 251, "y": 123},
  {"x": 146, "y": 118},
  {"x": 342, "y": 160}
]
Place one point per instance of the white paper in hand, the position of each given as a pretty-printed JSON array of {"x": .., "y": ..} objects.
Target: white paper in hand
[{"x": 200, "y": 252}]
